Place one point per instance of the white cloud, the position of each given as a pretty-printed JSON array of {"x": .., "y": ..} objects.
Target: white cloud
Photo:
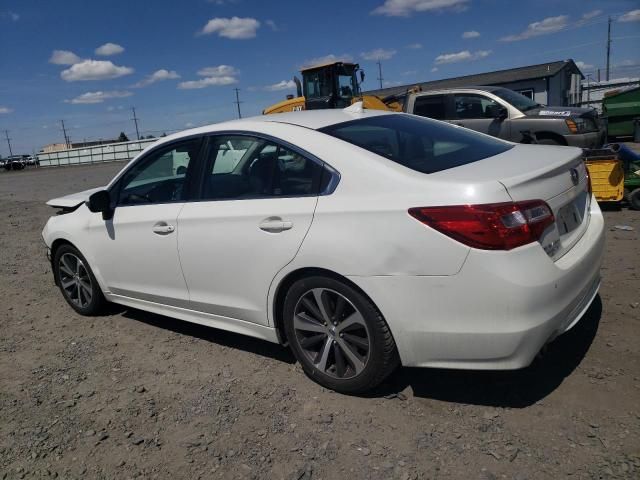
[
  {"x": 207, "y": 82},
  {"x": 404, "y": 8},
  {"x": 189, "y": 125},
  {"x": 327, "y": 59},
  {"x": 414, "y": 46},
  {"x": 94, "y": 70},
  {"x": 235, "y": 28},
  {"x": 584, "y": 66},
  {"x": 409, "y": 72},
  {"x": 378, "y": 54},
  {"x": 13, "y": 16},
  {"x": 218, "y": 71},
  {"x": 157, "y": 76},
  {"x": 463, "y": 56},
  {"x": 98, "y": 97},
  {"x": 632, "y": 16},
  {"x": 213, "y": 77},
  {"x": 64, "y": 57},
  {"x": 434, "y": 69},
  {"x": 543, "y": 27},
  {"x": 109, "y": 49},
  {"x": 281, "y": 85},
  {"x": 5, "y": 109},
  {"x": 470, "y": 34},
  {"x": 272, "y": 25}
]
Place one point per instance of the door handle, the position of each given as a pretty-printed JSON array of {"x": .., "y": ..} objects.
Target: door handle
[
  {"x": 275, "y": 225},
  {"x": 162, "y": 228}
]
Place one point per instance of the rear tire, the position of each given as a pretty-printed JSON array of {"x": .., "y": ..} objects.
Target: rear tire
[
  {"x": 76, "y": 281},
  {"x": 338, "y": 335},
  {"x": 634, "y": 199}
]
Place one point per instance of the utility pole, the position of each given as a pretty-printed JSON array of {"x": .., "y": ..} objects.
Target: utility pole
[
  {"x": 238, "y": 102},
  {"x": 588, "y": 89},
  {"x": 135, "y": 120},
  {"x": 67, "y": 142},
  {"x": 379, "y": 72},
  {"x": 608, "y": 46},
  {"x": 6, "y": 134}
]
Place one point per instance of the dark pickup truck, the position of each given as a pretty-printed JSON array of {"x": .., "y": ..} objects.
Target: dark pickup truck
[{"x": 506, "y": 114}]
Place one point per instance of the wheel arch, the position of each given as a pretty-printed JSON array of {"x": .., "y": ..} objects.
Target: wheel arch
[
  {"x": 297, "y": 274},
  {"x": 55, "y": 245},
  {"x": 546, "y": 135}
]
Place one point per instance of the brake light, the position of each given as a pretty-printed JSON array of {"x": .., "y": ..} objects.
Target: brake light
[{"x": 493, "y": 226}]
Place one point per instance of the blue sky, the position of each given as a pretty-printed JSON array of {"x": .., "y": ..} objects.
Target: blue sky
[{"x": 177, "y": 62}]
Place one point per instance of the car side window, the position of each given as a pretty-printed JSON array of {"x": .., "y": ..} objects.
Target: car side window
[
  {"x": 160, "y": 177},
  {"x": 432, "y": 106},
  {"x": 242, "y": 167},
  {"x": 470, "y": 106}
]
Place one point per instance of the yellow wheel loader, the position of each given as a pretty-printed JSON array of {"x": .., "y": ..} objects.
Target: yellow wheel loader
[{"x": 330, "y": 85}]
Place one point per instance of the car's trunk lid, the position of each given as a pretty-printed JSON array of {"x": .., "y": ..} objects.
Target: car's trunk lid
[{"x": 556, "y": 175}]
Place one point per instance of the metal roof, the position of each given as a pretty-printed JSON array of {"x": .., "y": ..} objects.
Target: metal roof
[{"x": 490, "y": 78}]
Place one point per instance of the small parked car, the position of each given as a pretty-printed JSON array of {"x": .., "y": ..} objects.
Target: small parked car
[
  {"x": 14, "y": 163},
  {"x": 506, "y": 114},
  {"x": 362, "y": 239}
]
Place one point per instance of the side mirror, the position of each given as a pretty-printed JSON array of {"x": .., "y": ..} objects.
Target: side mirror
[
  {"x": 501, "y": 113},
  {"x": 101, "y": 202}
]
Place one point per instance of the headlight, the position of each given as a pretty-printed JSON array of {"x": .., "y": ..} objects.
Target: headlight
[{"x": 577, "y": 125}]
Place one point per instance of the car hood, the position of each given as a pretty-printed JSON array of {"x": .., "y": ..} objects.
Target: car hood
[
  {"x": 73, "y": 200},
  {"x": 562, "y": 112}
]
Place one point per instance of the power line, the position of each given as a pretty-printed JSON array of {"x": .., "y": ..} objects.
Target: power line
[
  {"x": 379, "y": 72},
  {"x": 67, "y": 141},
  {"x": 135, "y": 120},
  {"x": 6, "y": 134},
  {"x": 238, "y": 102},
  {"x": 608, "y": 46}
]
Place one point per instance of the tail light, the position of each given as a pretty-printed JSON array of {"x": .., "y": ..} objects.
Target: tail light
[{"x": 493, "y": 226}]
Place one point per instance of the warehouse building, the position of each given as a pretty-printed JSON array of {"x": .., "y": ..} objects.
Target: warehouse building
[{"x": 553, "y": 83}]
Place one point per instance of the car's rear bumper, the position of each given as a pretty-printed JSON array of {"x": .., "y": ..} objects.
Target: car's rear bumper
[
  {"x": 498, "y": 312},
  {"x": 585, "y": 140}
]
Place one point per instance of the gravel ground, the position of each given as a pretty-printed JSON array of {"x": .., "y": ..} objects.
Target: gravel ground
[{"x": 136, "y": 395}]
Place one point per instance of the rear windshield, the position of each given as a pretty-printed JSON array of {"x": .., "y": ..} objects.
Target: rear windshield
[{"x": 421, "y": 144}]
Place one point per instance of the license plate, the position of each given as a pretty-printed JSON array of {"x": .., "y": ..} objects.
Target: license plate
[{"x": 568, "y": 219}]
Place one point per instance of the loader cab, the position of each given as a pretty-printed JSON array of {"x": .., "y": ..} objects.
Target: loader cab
[{"x": 330, "y": 85}]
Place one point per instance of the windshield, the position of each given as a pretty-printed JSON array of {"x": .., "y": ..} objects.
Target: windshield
[
  {"x": 421, "y": 144},
  {"x": 521, "y": 102}
]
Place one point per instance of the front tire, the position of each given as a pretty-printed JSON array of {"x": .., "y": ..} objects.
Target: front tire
[
  {"x": 77, "y": 283},
  {"x": 338, "y": 335},
  {"x": 549, "y": 141}
]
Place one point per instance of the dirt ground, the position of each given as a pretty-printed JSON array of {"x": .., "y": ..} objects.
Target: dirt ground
[{"x": 136, "y": 395}]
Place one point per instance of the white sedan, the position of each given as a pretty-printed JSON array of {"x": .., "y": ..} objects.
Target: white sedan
[{"x": 362, "y": 239}]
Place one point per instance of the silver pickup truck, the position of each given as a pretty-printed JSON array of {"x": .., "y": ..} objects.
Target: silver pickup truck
[{"x": 506, "y": 114}]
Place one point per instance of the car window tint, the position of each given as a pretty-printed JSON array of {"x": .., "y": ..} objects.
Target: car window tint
[
  {"x": 160, "y": 177},
  {"x": 246, "y": 167},
  {"x": 469, "y": 106},
  {"x": 418, "y": 143},
  {"x": 432, "y": 106}
]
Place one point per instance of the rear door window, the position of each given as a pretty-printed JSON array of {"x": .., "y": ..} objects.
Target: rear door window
[
  {"x": 432, "y": 106},
  {"x": 417, "y": 143}
]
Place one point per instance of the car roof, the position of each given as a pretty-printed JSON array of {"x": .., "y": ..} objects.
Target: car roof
[{"x": 313, "y": 119}]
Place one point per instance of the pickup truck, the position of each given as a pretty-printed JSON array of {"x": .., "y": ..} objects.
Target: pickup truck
[{"x": 506, "y": 114}]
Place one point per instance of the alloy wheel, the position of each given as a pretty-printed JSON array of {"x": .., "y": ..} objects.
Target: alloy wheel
[
  {"x": 332, "y": 333},
  {"x": 75, "y": 280}
]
